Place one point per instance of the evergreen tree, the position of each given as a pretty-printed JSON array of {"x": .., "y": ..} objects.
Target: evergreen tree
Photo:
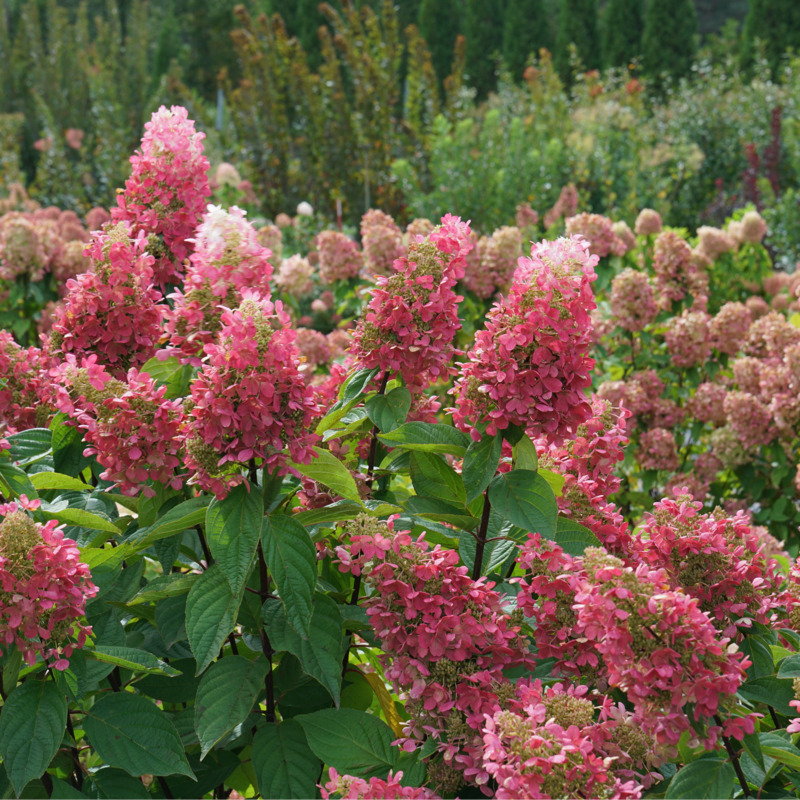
[
  {"x": 288, "y": 11},
  {"x": 527, "y": 30},
  {"x": 484, "y": 33},
  {"x": 669, "y": 41},
  {"x": 623, "y": 32},
  {"x": 776, "y": 23},
  {"x": 308, "y": 21},
  {"x": 577, "y": 24},
  {"x": 439, "y": 24}
]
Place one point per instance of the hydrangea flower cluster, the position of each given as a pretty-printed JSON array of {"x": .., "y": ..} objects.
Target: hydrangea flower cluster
[
  {"x": 382, "y": 242},
  {"x": 658, "y": 450},
  {"x": 349, "y": 787},
  {"x": 565, "y": 206},
  {"x": 678, "y": 272},
  {"x": 526, "y": 217},
  {"x": 340, "y": 258},
  {"x": 412, "y": 318},
  {"x": 623, "y": 232},
  {"x": 419, "y": 227},
  {"x": 729, "y": 327},
  {"x": 129, "y": 425},
  {"x": 713, "y": 242},
  {"x": 492, "y": 263},
  {"x": 165, "y": 196},
  {"x": 23, "y": 374},
  {"x": 228, "y": 258},
  {"x": 294, "y": 276},
  {"x": 250, "y": 400},
  {"x": 754, "y": 228},
  {"x": 313, "y": 347},
  {"x": 598, "y": 231},
  {"x": 648, "y": 223},
  {"x": 707, "y": 403},
  {"x": 113, "y": 310},
  {"x": 687, "y": 338},
  {"x": 633, "y": 300},
  {"x": 45, "y": 587}
]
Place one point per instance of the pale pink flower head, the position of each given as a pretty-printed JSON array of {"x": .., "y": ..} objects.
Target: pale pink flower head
[
  {"x": 419, "y": 227},
  {"x": 339, "y": 257},
  {"x": 677, "y": 271},
  {"x": 707, "y": 402},
  {"x": 496, "y": 261},
  {"x": 271, "y": 237},
  {"x": 22, "y": 251},
  {"x": 623, "y": 232},
  {"x": 23, "y": 373},
  {"x": 688, "y": 339},
  {"x": 382, "y": 242},
  {"x": 729, "y": 327},
  {"x": 598, "y": 231},
  {"x": 749, "y": 418},
  {"x": 713, "y": 242},
  {"x": 526, "y": 217},
  {"x": 313, "y": 347},
  {"x": 754, "y": 228},
  {"x": 412, "y": 318},
  {"x": 250, "y": 400},
  {"x": 633, "y": 300},
  {"x": 294, "y": 276},
  {"x": 658, "y": 450},
  {"x": 165, "y": 196},
  {"x": 112, "y": 311},
  {"x": 565, "y": 206},
  {"x": 96, "y": 218},
  {"x": 531, "y": 364},
  {"x": 45, "y": 588},
  {"x": 227, "y": 175},
  {"x": 349, "y": 787},
  {"x": 770, "y": 336},
  {"x": 648, "y": 223}
]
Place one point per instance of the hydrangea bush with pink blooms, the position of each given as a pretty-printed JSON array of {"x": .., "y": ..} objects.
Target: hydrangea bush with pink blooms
[{"x": 431, "y": 515}]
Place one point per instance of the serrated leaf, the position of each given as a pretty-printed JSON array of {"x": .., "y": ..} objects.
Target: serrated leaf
[
  {"x": 170, "y": 619},
  {"x": 17, "y": 481},
  {"x": 352, "y": 742},
  {"x": 30, "y": 445},
  {"x": 480, "y": 464},
  {"x": 790, "y": 667},
  {"x": 31, "y": 729},
  {"x": 525, "y": 499},
  {"x": 428, "y": 437},
  {"x": 440, "y": 511},
  {"x": 283, "y": 762},
  {"x": 233, "y": 528},
  {"x": 170, "y": 373},
  {"x": 225, "y": 697},
  {"x": 710, "y": 778},
  {"x": 68, "y": 447},
  {"x": 55, "y": 480},
  {"x": 336, "y": 512},
  {"x": 432, "y": 476},
  {"x": 525, "y": 456},
  {"x": 773, "y": 746},
  {"x": 179, "y": 689},
  {"x": 130, "y": 658},
  {"x": 130, "y": 732},
  {"x": 177, "y": 519},
  {"x": 83, "y": 519},
  {"x": 292, "y": 560},
  {"x": 771, "y": 691},
  {"x": 170, "y": 585},
  {"x": 355, "y": 384},
  {"x": 573, "y": 537},
  {"x": 389, "y": 411},
  {"x": 110, "y": 782},
  {"x": 321, "y": 654},
  {"x": 329, "y": 471},
  {"x": 555, "y": 480}
]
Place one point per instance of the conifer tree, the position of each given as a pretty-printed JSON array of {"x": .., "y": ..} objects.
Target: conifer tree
[
  {"x": 484, "y": 33},
  {"x": 577, "y": 24},
  {"x": 622, "y": 38},
  {"x": 307, "y": 22},
  {"x": 776, "y": 23},
  {"x": 527, "y": 30},
  {"x": 439, "y": 24},
  {"x": 669, "y": 42}
]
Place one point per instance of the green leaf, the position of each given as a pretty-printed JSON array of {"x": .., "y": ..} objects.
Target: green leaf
[
  {"x": 321, "y": 654},
  {"x": 130, "y": 658},
  {"x": 30, "y": 445},
  {"x": 17, "y": 481},
  {"x": 329, "y": 471},
  {"x": 68, "y": 447},
  {"x": 115, "y": 783},
  {"x": 64, "y": 791},
  {"x": 480, "y": 464},
  {"x": 130, "y": 732},
  {"x": 226, "y": 696},
  {"x": 432, "y": 476},
  {"x": 180, "y": 689},
  {"x": 352, "y": 742},
  {"x": 210, "y": 615},
  {"x": 170, "y": 373},
  {"x": 573, "y": 537},
  {"x": 710, "y": 778},
  {"x": 771, "y": 691},
  {"x": 283, "y": 762},
  {"x": 525, "y": 499},
  {"x": 525, "y": 456},
  {"x": 439, "y": 511},
  {"x": 555, "y": 480},
  {"x": 55, "y": 480},
  {"x": 774, "y": 746},
  {"x": 83, "y": 519},
  {"x": 31, "y": 729},
  {"x": 336, "y": 512},
  {"x": 170, "y": 585},
  {"x": 790, "y": 667},
  {"x": 292, "y": 560},
  {"x": 185, "y": 515},
  {"x": 428, "y": 437},
  {"x": 389, "y": 411},
  {"x": 355, "y": 384},
  {"x": 233, "y": 528}
]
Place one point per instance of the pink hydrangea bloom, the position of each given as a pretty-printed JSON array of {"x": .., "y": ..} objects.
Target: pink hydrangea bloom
[
  {"x": 228, "y": 258},
  {"x": 22, "y": 251},
  {"x": 623, "y": 232},
  {"x": 312, "y": 346},
  {"x": 677, "y": 271},
  {"x": 598, "y": 231},
  {"x": 112, "y": 311},
  {"x": 707, "y": 403},
  {"x": 758, "y": 306},
  {"x": 166, "y": 193},
  {"x": 714, "y": 242},
  {"x": 658, "y": 450},
  {"x": 271, "y": 237},
  {"x": 526, "y": 217},
  {"x": 729, "y": 327},
  {"x": 749, "y": 418},
  {"x": 648, "y": 223},
  {"x": 687, "y": 338},
  {"x": 530, "y": 365},
  {"x": 339, "y": 257},
  {"x": 419, "y": 227},
  {"x": 348, "y": 787},
  {"x": 294, "y": 276},
  {"x": 382, "y": 242},
  {"x": 633, "y": 300},
  {"x": 129, "y": 425},
  {"x": 495, "y": 261},
  {"x": 250, "y": 399},
  {"x": 45, "y": 587},
  {"x": 22, "y": 375},
  {"x": 770, "y": 336},
  {"x": 412, "y": 318},
  {"x": 754, "y": 228},
  {"x": 565, "y": 206}
]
